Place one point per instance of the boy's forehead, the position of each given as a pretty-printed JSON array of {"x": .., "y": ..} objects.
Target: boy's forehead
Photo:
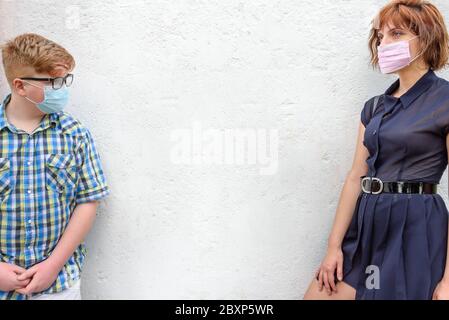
[{"x": 57, "y": 72}]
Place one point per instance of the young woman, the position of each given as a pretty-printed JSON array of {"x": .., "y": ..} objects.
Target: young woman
[{"x": 389, "y": 239}]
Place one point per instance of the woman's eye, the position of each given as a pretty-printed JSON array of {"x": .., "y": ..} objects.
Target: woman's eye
[{"x": 397, "y": 34}]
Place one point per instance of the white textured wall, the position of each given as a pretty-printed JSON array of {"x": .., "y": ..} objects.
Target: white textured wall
[{"x": 150, "y": 71}]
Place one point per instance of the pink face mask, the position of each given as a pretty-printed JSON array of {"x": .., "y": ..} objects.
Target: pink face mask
[{"x": 395, "y": 56}]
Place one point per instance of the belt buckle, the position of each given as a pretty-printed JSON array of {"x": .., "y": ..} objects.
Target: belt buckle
[{"x": 373, "y": 178}]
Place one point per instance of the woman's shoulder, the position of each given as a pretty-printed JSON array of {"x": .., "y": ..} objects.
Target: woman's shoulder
[
  {"x": 442, "y": 85},
  {"x": 369, "y": 108}
]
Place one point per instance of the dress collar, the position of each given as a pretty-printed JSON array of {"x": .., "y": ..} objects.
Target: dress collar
[{"x": 412, "y": 93}]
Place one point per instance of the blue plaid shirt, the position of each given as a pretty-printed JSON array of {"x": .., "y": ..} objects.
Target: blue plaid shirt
[{"x": 43, "y": 176}]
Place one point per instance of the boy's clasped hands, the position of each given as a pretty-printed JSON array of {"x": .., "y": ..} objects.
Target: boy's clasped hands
[{"x": 27, "y": 281}]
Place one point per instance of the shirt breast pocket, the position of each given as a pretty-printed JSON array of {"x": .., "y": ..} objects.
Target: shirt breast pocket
[
  {"x": 5, "y": 177},
  {"x": 60, "y": 172}
]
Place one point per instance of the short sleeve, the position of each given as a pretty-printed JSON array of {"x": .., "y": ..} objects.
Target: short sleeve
[
  {"x": 441, "y": 113},
  {"x": 442, "y": 123},
  {"x": 366, "y": 113},
  {"x": 443, "y": 120},
  {"x": 92, "y": 183}
]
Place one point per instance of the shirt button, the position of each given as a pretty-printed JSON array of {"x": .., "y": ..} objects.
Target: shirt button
[
  {"x": 29, "y": 191},
  {"x": 28, "y": 163},
  {"x": 29, "y": 221},
  {"x": 374, "y": 132}
]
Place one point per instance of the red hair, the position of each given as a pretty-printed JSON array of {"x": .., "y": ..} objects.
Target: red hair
[
  {"x": 30, "y": 52},
  {"x": 421, "y": 18}
]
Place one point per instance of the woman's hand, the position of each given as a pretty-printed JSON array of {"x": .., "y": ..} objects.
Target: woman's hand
[
  {"x": 441, "y": 291},
  {"x": 331, "y": 265}
]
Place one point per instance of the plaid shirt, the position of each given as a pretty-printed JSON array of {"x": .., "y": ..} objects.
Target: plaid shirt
[{"x": 43, "y": 176}]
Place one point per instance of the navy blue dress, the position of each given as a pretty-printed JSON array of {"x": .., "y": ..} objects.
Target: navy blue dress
[{"x": 403, "y": 235}]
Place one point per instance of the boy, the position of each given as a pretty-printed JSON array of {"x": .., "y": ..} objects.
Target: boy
[{"x": 50, "y": 175}]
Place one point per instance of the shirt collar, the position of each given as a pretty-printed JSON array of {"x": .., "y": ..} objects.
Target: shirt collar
[
  {"x": 45, "y": 123},
  {"x": 414, "y": 92}
]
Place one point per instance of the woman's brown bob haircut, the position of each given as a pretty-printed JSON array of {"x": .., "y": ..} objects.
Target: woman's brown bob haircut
[{"x": 421, "y": 18}]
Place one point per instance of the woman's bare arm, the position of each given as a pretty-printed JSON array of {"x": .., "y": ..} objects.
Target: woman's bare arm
[
  {"x": 332, "y": 264},
  {"x": 350, "y": 192},
  {"x": 446, "y": 270},
  {"x": 441, "y": 291}
]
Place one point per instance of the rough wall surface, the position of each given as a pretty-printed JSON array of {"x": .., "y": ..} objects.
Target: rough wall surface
[{"x": 160, "y": 81}]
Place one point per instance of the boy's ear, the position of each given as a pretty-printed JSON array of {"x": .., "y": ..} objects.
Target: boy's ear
[{"x": 18, "y": 86}]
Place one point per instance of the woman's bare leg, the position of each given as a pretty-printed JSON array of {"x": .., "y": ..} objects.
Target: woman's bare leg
[{"x": 345, "y": 292}]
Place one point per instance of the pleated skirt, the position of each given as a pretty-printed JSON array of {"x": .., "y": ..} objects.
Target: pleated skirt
[{"x": 395, "y": 247}]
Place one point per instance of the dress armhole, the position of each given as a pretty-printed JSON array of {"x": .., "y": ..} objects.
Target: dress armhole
[{"x": 368, "y": 110}]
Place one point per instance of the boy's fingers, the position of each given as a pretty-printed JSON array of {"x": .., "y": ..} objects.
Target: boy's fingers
[
  {"x": 21, "y": 286},
  {"x": 27, "y": 274},
  {"x": 28, "y": 289},
  {"x": 17, "y": 269},
  {"x": 23, "y": 283},
  {"x": 23, "y": 291}
]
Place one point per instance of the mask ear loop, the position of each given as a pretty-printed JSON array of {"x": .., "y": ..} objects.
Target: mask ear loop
[
  {"x": 422, "y": 51},
  {"x": 416, "y": 57},
  {"x": 36, "y": 87}
]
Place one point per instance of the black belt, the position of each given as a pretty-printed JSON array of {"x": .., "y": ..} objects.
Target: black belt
[{"x": 374, "y": 185}]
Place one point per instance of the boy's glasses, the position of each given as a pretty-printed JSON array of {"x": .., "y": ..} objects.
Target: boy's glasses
[{"x": 56, "y": 83}]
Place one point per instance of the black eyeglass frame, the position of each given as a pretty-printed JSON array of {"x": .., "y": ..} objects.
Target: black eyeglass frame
[{"x": 52, "y": 80}]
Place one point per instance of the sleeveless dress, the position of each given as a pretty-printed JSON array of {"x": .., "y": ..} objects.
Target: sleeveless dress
[{"x": 396, "y": 244}]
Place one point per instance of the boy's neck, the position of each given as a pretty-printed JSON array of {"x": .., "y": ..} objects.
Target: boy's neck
[{"x": 23, "y": 114}]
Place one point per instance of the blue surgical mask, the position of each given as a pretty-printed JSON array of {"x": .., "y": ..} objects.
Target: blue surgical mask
[{"x": 54, "y": 100}]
